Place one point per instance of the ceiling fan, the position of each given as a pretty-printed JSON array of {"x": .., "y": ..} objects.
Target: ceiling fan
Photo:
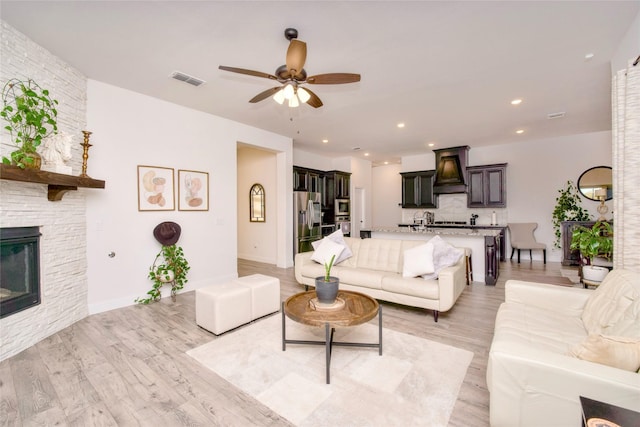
[{"x": 292, "y": 76}]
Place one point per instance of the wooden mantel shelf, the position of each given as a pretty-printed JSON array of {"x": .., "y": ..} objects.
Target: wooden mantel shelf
[{"x": 58, "y": 184}]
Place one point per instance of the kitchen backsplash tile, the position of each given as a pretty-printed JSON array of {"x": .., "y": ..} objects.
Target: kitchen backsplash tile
[{"x": 453, "y": 207}]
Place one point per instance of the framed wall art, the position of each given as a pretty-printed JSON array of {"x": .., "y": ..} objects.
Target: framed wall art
[
  {"x": 193, "y": 190},
  {"x": 155, "y": 189}
]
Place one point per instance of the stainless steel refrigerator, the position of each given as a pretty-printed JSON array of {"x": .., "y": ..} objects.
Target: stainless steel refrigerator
[{"x": 307, "y": 218}]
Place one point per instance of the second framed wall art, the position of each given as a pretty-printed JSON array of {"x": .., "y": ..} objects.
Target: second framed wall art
[{"x": 193, "y": 190}]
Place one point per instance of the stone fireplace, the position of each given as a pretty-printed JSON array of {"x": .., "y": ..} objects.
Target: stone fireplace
[
  {"x": 19, "y": 269},
  {"x": 62, "y": 224}
]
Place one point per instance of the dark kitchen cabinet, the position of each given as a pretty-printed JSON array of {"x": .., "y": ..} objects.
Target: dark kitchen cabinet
[
  {"x": 305, "y": 179},
  {"x": 487, "y": 186},
  {"x": 337, "y": 185},
  {"x": 300, "y": 179},
  {"x": 417, "y": 189}
]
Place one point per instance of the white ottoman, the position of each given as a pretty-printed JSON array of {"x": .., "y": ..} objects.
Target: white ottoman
[
  {"x": 265, "y": 293},
  {"x": 220, "y": 308}
]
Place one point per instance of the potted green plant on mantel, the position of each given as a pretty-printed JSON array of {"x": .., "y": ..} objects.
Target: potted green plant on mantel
[
  {"x": 31, "y": 115},
  {"x": 327, "y": 285},
  {"x": 594, "y": 242},
  {"x": 568, "y": 208}
]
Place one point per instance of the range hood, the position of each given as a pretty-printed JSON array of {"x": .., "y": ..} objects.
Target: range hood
[{"x": 451, "y": 170}]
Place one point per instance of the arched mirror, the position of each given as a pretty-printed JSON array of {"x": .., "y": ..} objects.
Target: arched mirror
[
  {"x": 596, "y": 183},
  {"x": 256, "y": 203}
]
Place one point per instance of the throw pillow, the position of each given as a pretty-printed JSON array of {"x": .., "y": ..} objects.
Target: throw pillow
[
  {"x": 619, "y": 352},
  {"x": 326, "y": 250},
  {"x": 606, "y": 305},
  {"x": 338, "y": 238},
  {"x": 628, "y": 325},
  {"x": 444, "y": 255},
  {"x": 418, "y": 261}
]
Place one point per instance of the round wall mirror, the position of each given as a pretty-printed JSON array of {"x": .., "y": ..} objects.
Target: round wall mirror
[{"x": 596, "y": 183}]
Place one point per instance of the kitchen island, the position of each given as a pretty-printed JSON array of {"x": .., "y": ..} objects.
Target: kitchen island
[{"x": 483, "y": 243}]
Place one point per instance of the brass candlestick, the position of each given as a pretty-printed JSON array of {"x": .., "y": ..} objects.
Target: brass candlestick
[{"x": 85, "y": 153}]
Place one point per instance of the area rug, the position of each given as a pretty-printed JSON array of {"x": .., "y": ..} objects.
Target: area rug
[{"x": 414, "y": 383}]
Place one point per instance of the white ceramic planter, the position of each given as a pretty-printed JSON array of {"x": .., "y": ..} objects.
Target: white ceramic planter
[{"x": 594, "y": 273}]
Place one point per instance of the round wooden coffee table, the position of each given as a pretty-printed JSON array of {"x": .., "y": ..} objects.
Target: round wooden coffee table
[{"x": 353, "y": 308}]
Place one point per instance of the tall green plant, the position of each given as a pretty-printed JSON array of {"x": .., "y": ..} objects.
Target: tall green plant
[
  {"x": 327, "y": 269},
  {"x": 172, "y": 270},
  {"x": 31, "y": 115},
  {"x": 568, "y": 208}
]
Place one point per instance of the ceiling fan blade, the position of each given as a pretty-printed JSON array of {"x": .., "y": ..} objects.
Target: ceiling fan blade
[
  {"x": 314, "y": 101},
  {"x": 296, "y": 56},
  {"x": 248, "y": 72},
  {"x": 333, "y": 78},
  {"x": 264, "y": 95}
]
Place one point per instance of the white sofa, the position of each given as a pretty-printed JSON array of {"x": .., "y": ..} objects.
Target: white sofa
[
  {"x": 375, "y": 269},
  {"x": 547, "y": 339}
]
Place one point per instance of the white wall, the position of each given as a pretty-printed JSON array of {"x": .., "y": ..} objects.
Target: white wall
[
  {"x": 256, "y": 240},
  {"x": 629, "y": 47},
  {"x": 536, "y": 171},
  {"x": 310, "y": 160},
  {"x": 132, "y": 129}
]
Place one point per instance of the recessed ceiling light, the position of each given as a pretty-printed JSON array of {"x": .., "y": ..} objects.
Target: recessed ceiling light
[
  {"x": 366, "y": 154},
  {"x": 324, "y": 141},
  {"x": 516, "y": 102},
  {"x": 386, "y": 163},
  {"x": 519, "y": 131},
  {"x": 400, "y": 125},
  {"x": 431, "y": 144},
  {"x": 589, "y": 56}
]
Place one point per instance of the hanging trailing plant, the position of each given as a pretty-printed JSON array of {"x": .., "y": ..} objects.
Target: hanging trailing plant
[
  {"x": 568, "y": 208},
  {"x": 171, "y": 270}
]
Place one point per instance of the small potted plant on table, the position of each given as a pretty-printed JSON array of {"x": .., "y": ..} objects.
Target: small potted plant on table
[
  {"x": 31, "y": 116},
  {"x": 327, "y": 285}
]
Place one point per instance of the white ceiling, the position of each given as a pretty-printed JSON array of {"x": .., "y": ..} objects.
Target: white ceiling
[{"x": 448, "y": 70}]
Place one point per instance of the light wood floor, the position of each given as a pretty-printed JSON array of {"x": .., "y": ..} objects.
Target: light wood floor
[{"x": 129, "y": 367}]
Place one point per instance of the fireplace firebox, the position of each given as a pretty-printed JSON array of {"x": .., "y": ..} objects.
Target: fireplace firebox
[{"x": 19, "y": 269}]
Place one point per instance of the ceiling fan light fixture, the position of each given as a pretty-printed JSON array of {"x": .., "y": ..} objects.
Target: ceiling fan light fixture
[
  {"x": 289, "y": 92},
  {"x": 303, "y": 94},
  {"x": 293, "y": 102},
  {"x": 279, "y": 97}
]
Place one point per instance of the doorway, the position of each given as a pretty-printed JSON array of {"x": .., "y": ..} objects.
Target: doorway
[{"x": 358, "y": 217}]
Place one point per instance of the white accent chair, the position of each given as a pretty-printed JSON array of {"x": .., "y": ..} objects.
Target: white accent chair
[{"x": 521, "y": 237}]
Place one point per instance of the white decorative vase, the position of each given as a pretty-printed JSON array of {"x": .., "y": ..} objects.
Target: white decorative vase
[{"x": 593, "y": 273}]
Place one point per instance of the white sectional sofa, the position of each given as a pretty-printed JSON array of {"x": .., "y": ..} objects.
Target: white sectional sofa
[
  {"x": 376, "y": 269},
  {"x": 553, "y": 344}
]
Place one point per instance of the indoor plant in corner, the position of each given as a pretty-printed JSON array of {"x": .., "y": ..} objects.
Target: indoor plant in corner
[
  {"x": 593, "y": 242},
  {"x": 327, "y": 285},
  {"x": 568, "y": 208},
  {"x": 31, "y": 116},
  {"x": 170, "y": 266}
]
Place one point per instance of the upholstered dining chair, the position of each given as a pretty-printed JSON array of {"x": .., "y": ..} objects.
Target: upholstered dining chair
[{"x": 521, "y": 237}]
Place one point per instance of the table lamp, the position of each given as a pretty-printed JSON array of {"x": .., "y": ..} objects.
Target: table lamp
[{"x": 601, "y": 194}]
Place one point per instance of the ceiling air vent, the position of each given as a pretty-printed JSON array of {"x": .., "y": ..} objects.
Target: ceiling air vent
[
  {"x": 187, "y": 78},
  {"x": 557, "y": 115}
]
